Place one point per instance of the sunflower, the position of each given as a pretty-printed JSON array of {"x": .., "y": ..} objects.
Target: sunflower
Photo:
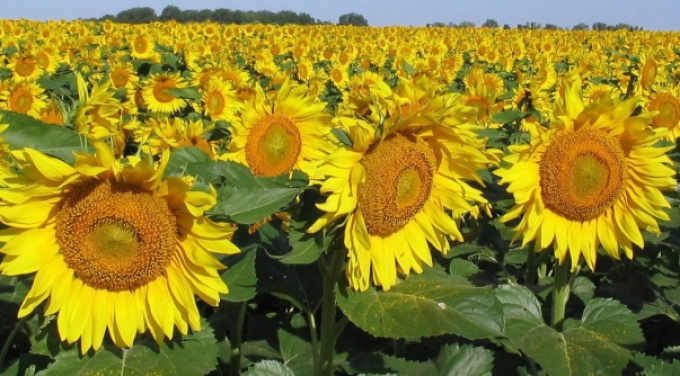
[
  {"x": 648, "y": 72},
  {"x": 122, "y": 74},
  {"x": 287, "y": 132},
  {"x": 395, "y": 190},
  {"x": 113, "y": 246},
  {"x": 594, "y": 177},
  {"x": 24, "y": 67},
  {"x": 667, "y": 105},
  {"x": 99, "y": 111},
  {"x": 157, "y": 94},
  {"x": 24, "y": 97},
  {"x": 220, "y": 101},
  {"x": 142, "y": 47},
  {"x": 175, "y": 133}
]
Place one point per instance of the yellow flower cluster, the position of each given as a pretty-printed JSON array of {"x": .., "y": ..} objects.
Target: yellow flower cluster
[{"x": 392, "y": 124}]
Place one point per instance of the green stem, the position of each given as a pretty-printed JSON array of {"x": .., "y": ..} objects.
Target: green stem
[
  {"x": 328, "y": 308},
  {"x": 10, "y": 339},
  {"x": 560, "y": 293},
  {"x": 315, "y": 339},
  {"x": 236, "y": 340},
  {"x": 532, "y": 268}
]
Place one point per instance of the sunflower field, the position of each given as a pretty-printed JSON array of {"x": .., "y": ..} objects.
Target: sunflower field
[{"x": 259, "y": 200}]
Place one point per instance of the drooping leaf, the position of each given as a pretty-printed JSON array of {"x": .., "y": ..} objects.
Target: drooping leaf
[
  {"x": 595, "y": 344},
  {"x": 430, "y": 304},
  {"x": 240, "y": 276},
  {"x": 247, "y": 199},
  {"x": 584, "y": 289},
  {"x": 13, "y": 290},
  {"x": 253, "y": 204},
  {"x": 269, "y": 368},
  {"x": 242, "y": 197},
  {"x": 193, "y": 354},
  {"x": 24, "y": 131},
  {"x": 297, "y": 246},
  {"x": 464, "y": 361},
  {"x": 296, "y": 352}
]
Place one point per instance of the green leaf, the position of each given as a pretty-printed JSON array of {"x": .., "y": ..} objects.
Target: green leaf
[
  {"x": 302, "y": 248},
  {"x": 247, "y": 199},
  {"x": 593, "y": 345},
  {"x": 24, "y": 131},
  {"x": 429, "y": 304},
  {"x": 584, "y": 289},
  {"x": 379, "y": 363},
  {"x": 187, "y": 92},
  {"x": 296, "y": 352},
  {"x": 462, "y": 268},
  {"x": 193, "y": 354},
  {"x": 269, "y": 368},
  {"x": 665, "y": 369},
  {"x": 506, "y": 116},
  {"x": 465, "y": 361},
  {"x": 342, "y": 136},
  {"x": 240, "y": 276},
  {"x": 299, "y": 284},
  {"x": 253, "y": 204},
  {"x": 13, "y": 290},
  {"x": 182, "y": 158},
  {"x": 242, "y": 198}
]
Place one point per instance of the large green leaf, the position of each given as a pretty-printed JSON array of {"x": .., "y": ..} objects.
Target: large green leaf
[
  {"x": 593, "y": 345},
  {"x": 240, "y": 276},
  {"x": 464, "y": 361},
  {"x": 269, "y": 368},
  {"x": 243, "y": 197},
  {"x": 253, "y": 204},
  {"x": 194, "y": 354},
  {"x": 24, "y": 131},
  {"x": 430, "y": 304}
]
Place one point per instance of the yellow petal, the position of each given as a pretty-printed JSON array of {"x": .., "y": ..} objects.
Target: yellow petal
[
  {"x": 50, "y": 168},
  {"x": 28, "y": 215}
]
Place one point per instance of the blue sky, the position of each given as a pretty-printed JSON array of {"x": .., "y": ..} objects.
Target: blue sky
[{"x": 651, "y": 14}]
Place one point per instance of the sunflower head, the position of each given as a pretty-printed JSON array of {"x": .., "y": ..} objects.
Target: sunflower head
[
  {"x": 289, "y": 131},
  {"x": 594, "y": 177},
  {"x": 396, "y": 185},
  {"x": 112, "y": 245}
]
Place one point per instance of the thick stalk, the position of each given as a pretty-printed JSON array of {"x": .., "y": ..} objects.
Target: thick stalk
[
  {"x": 328, "y": 307},
  {"x": 315, "y": 339},
  {"x": 236, "y": 340},
  {"x": 560, "y": 293},
  {"x": 532, "y": 268}
]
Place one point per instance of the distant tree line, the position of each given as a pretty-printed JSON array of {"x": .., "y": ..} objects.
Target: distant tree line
[
  {"x": 139, "y": 15},
  {"x": 491, "y": 23}
]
